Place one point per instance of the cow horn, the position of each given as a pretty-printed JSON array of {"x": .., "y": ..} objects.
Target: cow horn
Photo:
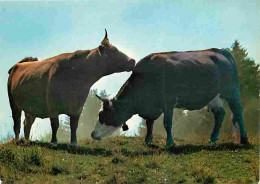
[
  {"x": 101, "y": 98},
  {"x": 105, "y": 40},
  {"x": 106, "y": 34}
]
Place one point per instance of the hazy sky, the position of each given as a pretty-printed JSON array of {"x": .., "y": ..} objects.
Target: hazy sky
[{"x": 45, "y": 29}]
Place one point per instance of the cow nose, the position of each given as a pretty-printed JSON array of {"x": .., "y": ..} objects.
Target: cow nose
[
  {"x": 93, "y": 135},
  {"x": 132, "y": 61},
  {"x": 131, "y": 65}
]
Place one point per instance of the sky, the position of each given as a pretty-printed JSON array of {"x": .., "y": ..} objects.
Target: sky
[{"x": 44, "y": 29}]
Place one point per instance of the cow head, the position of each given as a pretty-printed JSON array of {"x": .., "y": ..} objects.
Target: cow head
[
  {"x": 114, "y": 60},
  {"x": 109, "y": 120}
]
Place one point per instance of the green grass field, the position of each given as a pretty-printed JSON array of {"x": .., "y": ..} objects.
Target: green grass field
[{"x": 126, "y": 160}]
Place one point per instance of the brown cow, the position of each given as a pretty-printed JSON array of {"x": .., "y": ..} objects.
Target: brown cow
[{"x": 60, "y": 85}]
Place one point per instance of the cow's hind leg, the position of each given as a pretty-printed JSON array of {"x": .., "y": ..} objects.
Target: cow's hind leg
[
  {"x": 216, "y": 106},
  {"x": 149, "y": 135},
  {"x": 16, "y": 114},
  {"x": 238, "y": 118},
  {"x": 167, "y": 122},
  {"x": 28, "y": 121},
  {"x": 234, "y": 128},
  {"x": 54, "y": 127},
  {"x": 219, "y": 114}
]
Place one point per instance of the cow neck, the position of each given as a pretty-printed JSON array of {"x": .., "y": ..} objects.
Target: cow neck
[
  {"x": 125, "y": 101},
  {"x": 124, "y": 109},
  {"x": 94, "y": 66}
]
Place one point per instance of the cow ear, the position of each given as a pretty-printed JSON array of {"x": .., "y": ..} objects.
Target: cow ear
[
  {"x": 103, "y": 99},
  {"x": 101, "y": 49}
]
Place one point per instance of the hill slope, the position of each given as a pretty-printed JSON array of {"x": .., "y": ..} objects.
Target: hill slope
[{"x": 126, "y": 160}]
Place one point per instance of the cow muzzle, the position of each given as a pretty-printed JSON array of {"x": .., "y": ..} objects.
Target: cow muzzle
[
  {"x": 131, "y": 63},
  {"x": 94, "y": 136},
  {"x": 102, "y": 130}
]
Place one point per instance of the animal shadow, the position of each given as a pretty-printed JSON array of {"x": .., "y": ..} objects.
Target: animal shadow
[
  {"x": 81, "y": 150},
  {"x": 189, "y": 148},
  {"x": 176, "y": 149}
]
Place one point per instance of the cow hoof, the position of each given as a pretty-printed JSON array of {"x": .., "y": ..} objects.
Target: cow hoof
[
  {"x": 211, "y": 142},
  {"x": 148, "y": 141},
  {"x": 74, "y": 145},
  {"x": 169, "y": 144},
  {"x": 23, "y": 142},
  {"x": 244, "y": 140},
  {"x": 54, "y": 144},
  {"x": 17, "y": 142},
  {"x": 26, "y": 142},
  {"x": 213, "y": 139}
]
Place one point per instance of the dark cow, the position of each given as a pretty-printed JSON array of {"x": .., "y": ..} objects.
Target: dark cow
[
  {"x": 163, "y": 81},
  {"x": 60, "y": 85}
]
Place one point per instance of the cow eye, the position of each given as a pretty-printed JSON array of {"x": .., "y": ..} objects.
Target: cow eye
[{"x": 101, "y": 117}]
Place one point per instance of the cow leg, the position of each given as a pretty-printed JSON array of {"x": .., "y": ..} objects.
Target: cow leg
[
  {"x": 216, "y": 106},
  {"x": 234, "y": 129},
  {"x": 238, "y": 117},
  {"x": 16, "y": 115},
  {"x": 28, "y": 121},
  {"x": 54, "y": 127},
  {"x": 167, "y": 122},
  {"x": 73, "y": 126},
  {"x": 149, "y": 135},
  {"x": 219, "y": 114}
]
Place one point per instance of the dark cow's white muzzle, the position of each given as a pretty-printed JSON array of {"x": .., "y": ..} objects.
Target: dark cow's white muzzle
[{"x": 101, "y": 131}]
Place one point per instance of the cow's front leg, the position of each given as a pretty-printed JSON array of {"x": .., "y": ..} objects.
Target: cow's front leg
[
  {"x": 167, "y": 122},
  {"x": 73, "y": 127},
  {"x": 149, "y": 135},
  {"x": 28, "y": 121}
]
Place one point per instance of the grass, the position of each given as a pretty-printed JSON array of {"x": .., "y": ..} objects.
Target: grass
[{"x": 126, "y": 160}]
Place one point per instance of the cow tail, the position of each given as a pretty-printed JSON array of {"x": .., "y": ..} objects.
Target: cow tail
[
  {"x": 229, "y": 56},
  {"x": 27, "y": 59},
  {"x": 9, "y": 71}
]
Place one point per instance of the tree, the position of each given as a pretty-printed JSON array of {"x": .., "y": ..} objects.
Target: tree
[
  {"x": 249, "y": 84},
  {"x": 89, "y": 115},
  {"x": 248, "y": 73}
]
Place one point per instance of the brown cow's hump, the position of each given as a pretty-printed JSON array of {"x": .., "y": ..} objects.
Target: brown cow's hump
[{"x": 26, "y": 59}]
